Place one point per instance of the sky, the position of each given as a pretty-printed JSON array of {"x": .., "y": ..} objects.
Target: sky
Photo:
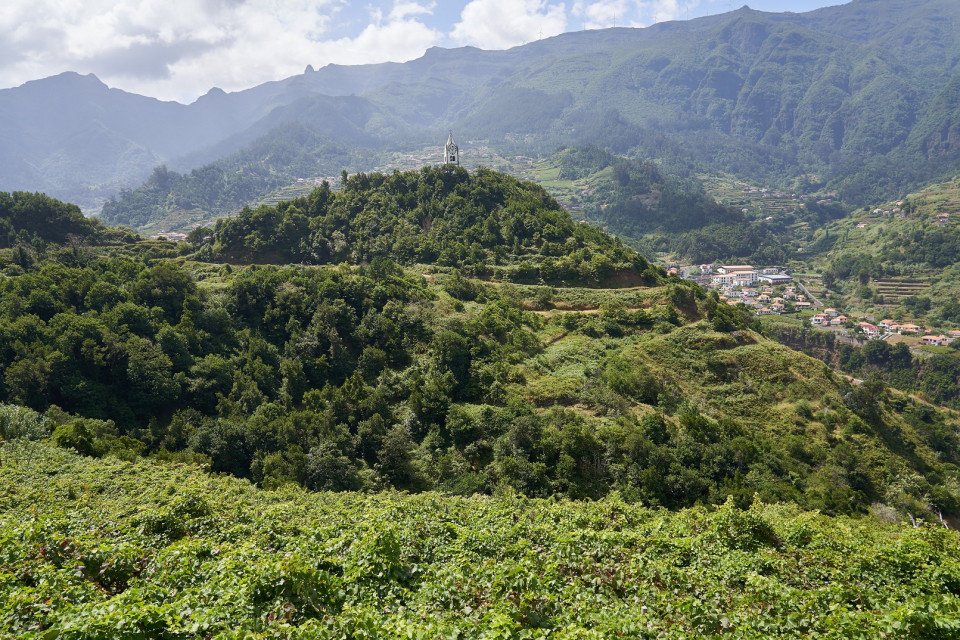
[{"x": 179, "y": 49}]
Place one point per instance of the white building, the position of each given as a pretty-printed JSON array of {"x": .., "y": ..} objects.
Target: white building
[
  {"x": 731, "y": 268},
  {"x": 451, "y": 152}
]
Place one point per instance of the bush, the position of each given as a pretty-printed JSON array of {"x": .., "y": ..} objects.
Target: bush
[{"x": 20, "y": 422}]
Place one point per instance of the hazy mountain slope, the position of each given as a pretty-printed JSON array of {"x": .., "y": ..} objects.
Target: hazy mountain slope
[
  {"x": 273, "y": 160},
  {"x": 836, "y": 93}
]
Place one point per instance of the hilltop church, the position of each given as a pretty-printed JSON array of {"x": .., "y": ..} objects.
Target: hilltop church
[{"x": 451, "y": 152}]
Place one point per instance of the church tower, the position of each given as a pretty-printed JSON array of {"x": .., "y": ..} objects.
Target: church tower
[{"x": 451, "y": 152}]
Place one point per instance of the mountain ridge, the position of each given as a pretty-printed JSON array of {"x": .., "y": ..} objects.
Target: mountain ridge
[{"x": 834, "y": 92}]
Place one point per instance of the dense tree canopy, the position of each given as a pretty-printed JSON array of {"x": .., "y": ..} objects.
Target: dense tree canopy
[
  {"x": 372, "y": 376},
  {"x": 486, "y": 224}
]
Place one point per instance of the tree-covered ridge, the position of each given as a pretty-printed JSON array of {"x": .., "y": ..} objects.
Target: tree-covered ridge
[
  {"x": 373, "y": 376},
  {"x": 370, "y": 377},
  {"x": 279, "y": 158},
  {"x": 666, "y": 207},
  {"x": 485, "y": 224},
  {"x": 640, "y": 197},
  {"x": 35, "y": 219},
  {"x": 104, "y": 549}
]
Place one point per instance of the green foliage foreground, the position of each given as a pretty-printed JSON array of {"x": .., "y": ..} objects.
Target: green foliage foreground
[{"x": 110, "y": 549}]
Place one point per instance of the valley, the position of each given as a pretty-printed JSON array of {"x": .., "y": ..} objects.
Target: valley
[{"x": 663, "y": 344}]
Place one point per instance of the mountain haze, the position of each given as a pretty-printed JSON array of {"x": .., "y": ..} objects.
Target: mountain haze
[{"x": 857, "y": 97}]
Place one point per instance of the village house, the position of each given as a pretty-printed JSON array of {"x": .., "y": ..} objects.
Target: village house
[
  {"x": 909, "y": 329},
  {"x": 777, "y": 307},
  {"x": 833, "y": 313},
  {"x": 935, "y": 341},
  {"x": 744, "y": 278},
  {"x": 839, "y": 321},
  {"x": 887, "y": 323},
  {"x": 871, "y": 331},
  {"x": 802, "y": 305},
  {"x": 820, "y": 319}
]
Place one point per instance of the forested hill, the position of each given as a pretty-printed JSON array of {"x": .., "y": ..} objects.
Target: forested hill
[
  {"x": 370, "y": 376},
  {"x": 269, "y": 162},
  {"x": 486, "y": 224},
  {"x": 29, "y": 218}
]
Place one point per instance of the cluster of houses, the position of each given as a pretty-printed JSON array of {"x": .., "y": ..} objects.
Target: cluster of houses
[
  {"x": 755, "y": 288},
  {"x": 829, "y": 318},
  {"x": 887, "y": 328},
  {"x": 744, "y": 284},
  {"x": 765, "y": 302},
  {"x": 890, "y": 211},
  {"x": 941, "y": 220}
]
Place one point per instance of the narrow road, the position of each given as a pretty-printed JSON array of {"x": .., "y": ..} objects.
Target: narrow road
[{"x": 812, "y": 298}]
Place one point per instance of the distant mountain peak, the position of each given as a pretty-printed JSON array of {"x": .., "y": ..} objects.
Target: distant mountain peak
[
  {"x": 72, "y": 77},
  {"x": 215, "y": 93}
]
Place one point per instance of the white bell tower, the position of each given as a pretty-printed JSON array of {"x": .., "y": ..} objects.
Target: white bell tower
[{"x": 451, "y": 152}]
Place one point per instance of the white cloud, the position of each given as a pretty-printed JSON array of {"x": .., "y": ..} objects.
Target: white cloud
[
  {"x": 499, "y": 24},
  {"x": 396, "y": 39},
  {"x": 401, "y": 10},
  {"x": 602, "y": 14},
  {"x": 651, "y": 11},
  {"x": 180, "y": 51}
]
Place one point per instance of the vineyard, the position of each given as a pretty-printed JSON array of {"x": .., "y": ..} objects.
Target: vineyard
[{"x": 118, "y": 550}]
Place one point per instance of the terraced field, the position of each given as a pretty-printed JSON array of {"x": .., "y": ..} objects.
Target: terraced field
[{"x": 894, "y": 289}]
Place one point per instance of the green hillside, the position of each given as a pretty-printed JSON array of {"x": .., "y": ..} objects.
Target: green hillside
[
  {"x": 373, "y": 375},
  {"x": 666, "y": 209},
  {"x": 108, "y": 549},
  {"x": 486, "y": 224},
  {"x": 28, "y": 218},
  {"x": 896, "y": 258}
]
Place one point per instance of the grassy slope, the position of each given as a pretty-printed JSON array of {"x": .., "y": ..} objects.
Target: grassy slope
[
  {"x": 785, "y": 405},
  {"x": 878, "y": 240},
  {"x": 110, "y": 549}
]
